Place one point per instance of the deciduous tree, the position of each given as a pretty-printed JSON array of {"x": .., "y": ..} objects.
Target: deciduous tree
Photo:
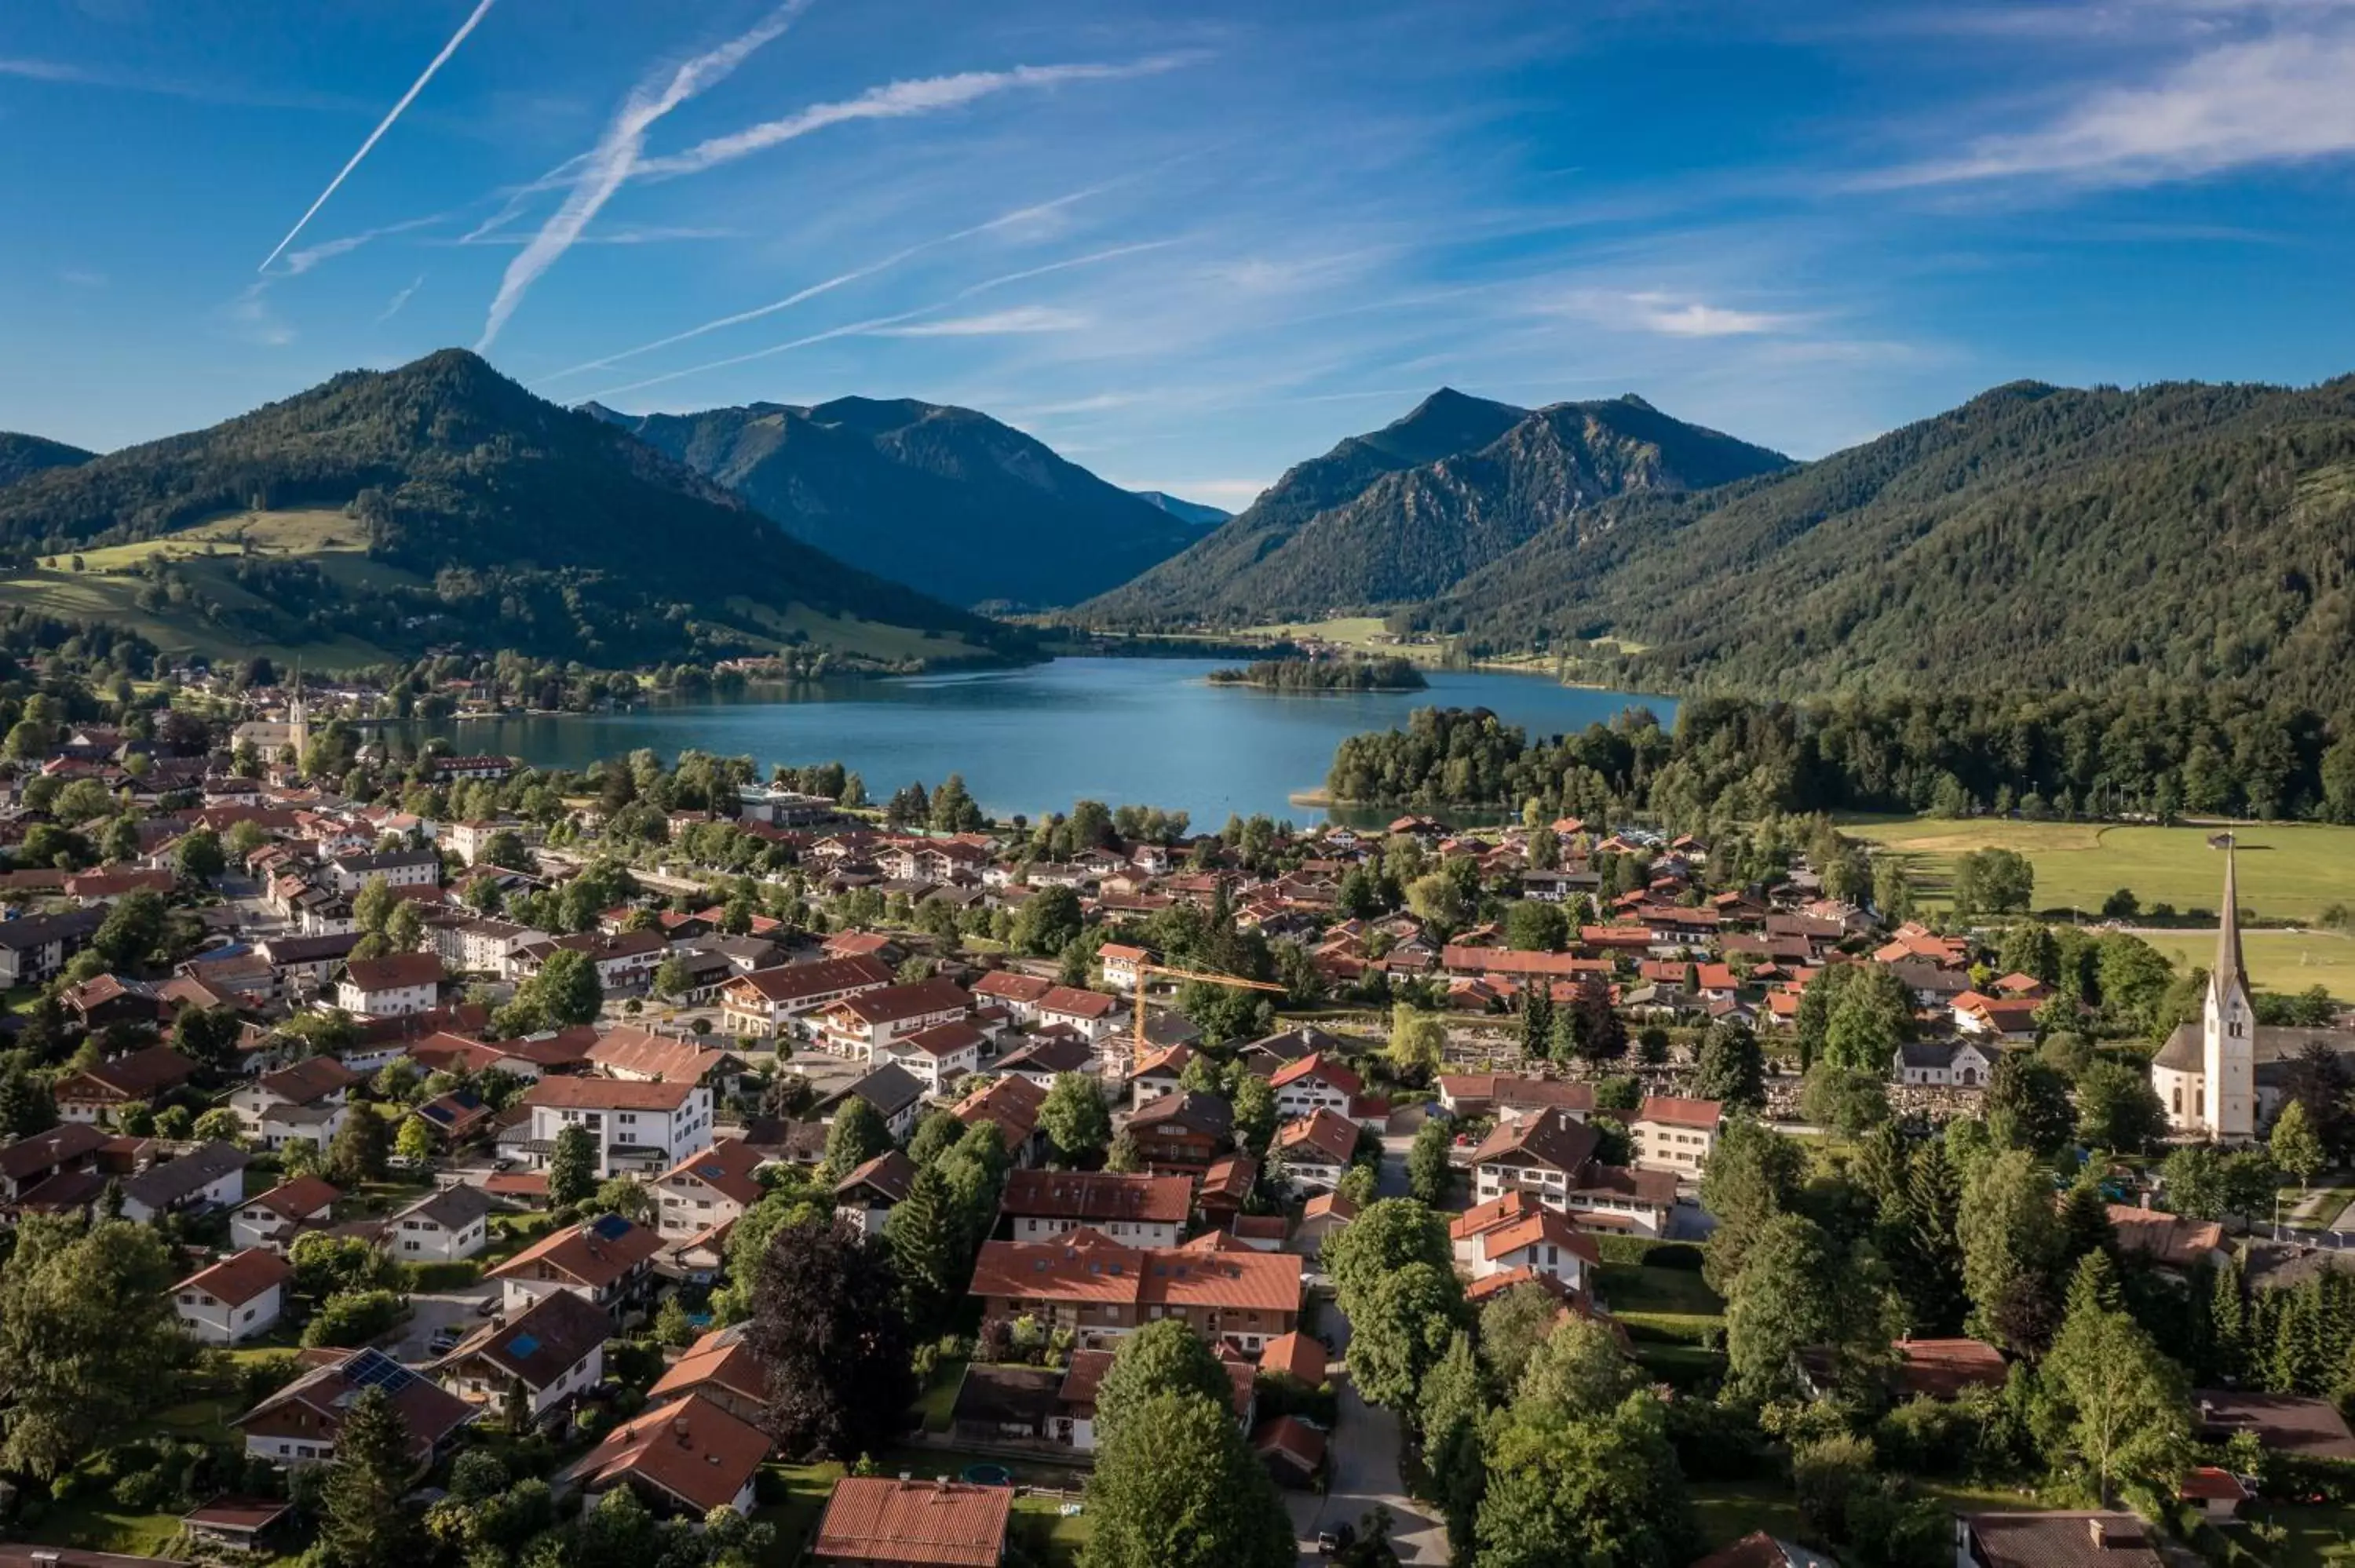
[{"x": 826, "y": 1321}]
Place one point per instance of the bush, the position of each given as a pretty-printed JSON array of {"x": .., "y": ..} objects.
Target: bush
[
  {"x": 350, "y": 1319},
  {"x": 1646, "y": 1252},
  {"x": 452, "y": 1276},
  {"x": 1714, "y": 1444}
]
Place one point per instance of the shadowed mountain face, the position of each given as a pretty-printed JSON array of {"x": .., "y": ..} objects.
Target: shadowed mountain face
[
  {"x": 22, "y": 456},
  {"x": 536, "y": 527},
  {"x": 2035, "y": 538},
  {"x": 1410, "y": 509},
  {"x": 943, "y": 499}
]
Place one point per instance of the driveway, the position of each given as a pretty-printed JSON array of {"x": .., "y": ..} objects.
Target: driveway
[
  {"x": 1363, "y": 1458},
  {"x": 439, "y": 1310}
]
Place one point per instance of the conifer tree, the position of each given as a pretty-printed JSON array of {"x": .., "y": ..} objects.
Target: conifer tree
[
  {"x": 362, "y": 1524},
  {"x": 926, "y": 1237}
]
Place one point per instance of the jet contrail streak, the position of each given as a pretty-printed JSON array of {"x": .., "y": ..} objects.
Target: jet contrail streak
[{"x": 384, "y": 125}]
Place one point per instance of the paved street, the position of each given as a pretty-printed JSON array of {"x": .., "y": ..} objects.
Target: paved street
[
  {"x": 439, "y": 1310},
  {"x": 1366, "y": 1443}
]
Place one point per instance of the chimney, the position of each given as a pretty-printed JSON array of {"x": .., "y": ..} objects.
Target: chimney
[{"x": 2099, "y": 1535}]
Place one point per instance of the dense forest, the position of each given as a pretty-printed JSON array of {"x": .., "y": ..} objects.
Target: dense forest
[
  {"x": 2208, "y": 752},
  {"x": 2036, "y": 539},
  {"x": 1409, "y": 510},
  {"x": 21, "y": 456},
  {"x": 1392, "y": 675},
  {"x": 946, "y": 500},
  {"x": 538, "y": 528}
]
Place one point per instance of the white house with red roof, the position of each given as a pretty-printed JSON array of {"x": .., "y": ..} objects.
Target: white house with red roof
[
  {"x": 239, "y": 1297},
  {"x": 1671, "y": 1133},
  {"x": 937, "y": 1056},
  {"x": 708, "y": 1190},
  {"x": 1317, "y": 1149},
  {"x": 637, "y": 1125},
  {"x": 858, "y": 1026},
  {"x": 1119, "y": 963},
  {"x": 1518, "y": 1233},
  {"x": 390, "y": 986},
  {"x": 1315, "y": 1082}
]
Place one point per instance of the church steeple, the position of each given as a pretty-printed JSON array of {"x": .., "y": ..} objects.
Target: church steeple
[{"x": 2230, "y": 973}]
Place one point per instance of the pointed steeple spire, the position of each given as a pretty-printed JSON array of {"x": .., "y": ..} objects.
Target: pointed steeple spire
[{"x": 2229, "y": 971}]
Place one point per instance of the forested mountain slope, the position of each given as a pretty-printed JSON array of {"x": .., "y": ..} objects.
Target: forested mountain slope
[
  {"x": 946, "y": 500},
  {"x": 1334, "y": 537},
  {"x": 2037, "y": 537},
  {"x": 21, "y": 455},
  {"x": 488, "y": 514}
]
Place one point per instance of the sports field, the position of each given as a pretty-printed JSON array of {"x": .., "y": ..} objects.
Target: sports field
[{"x": 2287, "y": 871}]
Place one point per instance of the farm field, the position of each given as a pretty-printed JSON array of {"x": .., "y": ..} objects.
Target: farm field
[
  {"x": 2278, "y": 960},
  {"x": 2288, "y": 871}
]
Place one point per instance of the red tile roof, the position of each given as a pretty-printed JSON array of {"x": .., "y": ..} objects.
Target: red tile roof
[
  {"x": 1085, "y": 1265},
  {"x": 594, "y": 1255},
  {"x": 935, "y": 1524},
  {"x": 1090, "y": 1196},
  {"x": 690, "y": 1448},
  {"x": 239, "y": 1278}
]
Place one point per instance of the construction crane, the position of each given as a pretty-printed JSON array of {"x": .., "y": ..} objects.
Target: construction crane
[{"x": 1206, "y": 978}]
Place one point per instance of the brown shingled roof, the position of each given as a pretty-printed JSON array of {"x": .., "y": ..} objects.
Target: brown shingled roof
[{"x": 936, "y": 1524}]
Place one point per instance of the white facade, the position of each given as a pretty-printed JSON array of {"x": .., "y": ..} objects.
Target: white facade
[
  {"x": 632, "y": 1129},
  {"x": 391, "y": 1002}
]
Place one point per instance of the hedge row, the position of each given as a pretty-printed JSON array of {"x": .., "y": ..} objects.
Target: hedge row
[{"x": 1644, "y": 1250}]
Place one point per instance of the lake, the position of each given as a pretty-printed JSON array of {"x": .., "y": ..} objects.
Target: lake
[{"x": 1125, "y": 731}]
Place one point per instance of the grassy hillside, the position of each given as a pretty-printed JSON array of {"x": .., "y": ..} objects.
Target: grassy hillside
[
  {"x": 442, "y": 504},
  {"x": 2288, "y": 871},
  {"x": 2037, "y": 538}
]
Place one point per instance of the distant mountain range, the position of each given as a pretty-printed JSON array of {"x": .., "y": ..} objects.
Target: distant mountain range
[
  {"x": 2037, "y": 537},
  {"x": 1184, "y": 511},
  {"x": 948, "y": 501},
  {"x": 22, "y": 456},
  {"x": 1409, "y": 511},
  {"x": 445, "y": 503}
]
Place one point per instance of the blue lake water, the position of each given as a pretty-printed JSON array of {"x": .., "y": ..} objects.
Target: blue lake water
[{"x": 1142, "y": 731}]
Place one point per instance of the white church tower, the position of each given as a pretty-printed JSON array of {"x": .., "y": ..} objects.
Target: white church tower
[{"x": 2228, "y": 1029}]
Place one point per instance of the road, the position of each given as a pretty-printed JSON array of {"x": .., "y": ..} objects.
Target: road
[
  {"x": 1363, "y": 1451},
  {"x": 459, "y": 1308}
]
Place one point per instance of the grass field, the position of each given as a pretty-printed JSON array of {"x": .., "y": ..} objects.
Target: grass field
[
  {"x": 2278, "y": 960},
  {"x": 2287, "y": 871}
]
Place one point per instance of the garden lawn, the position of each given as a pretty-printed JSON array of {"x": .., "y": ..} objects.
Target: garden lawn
[
  {"x": 2318, "y": 1537},
  {"x": 2288, "y": 871},
  {"x": 1650, "y": 1289},
  {"x": 937, "y": 1403}
]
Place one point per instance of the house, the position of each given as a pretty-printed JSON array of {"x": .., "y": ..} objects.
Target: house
[
  {"x": 642, "y": 1056},
  {"x": 764, "y": 1002},
  {"x": 1012, "y": 1106},
  {"x": 858, "y": 1026},
  {"x": 1183, "y": 1132},
  {"x": 707, "y": 1191},
  {"x": 2054, "y": 1541},
  {"x": 2170, "y": 1241},
  {"x": 638, "y": 1126},
  {"x": 603, "y": 1261},
  {"x": 1944, "y": 1368},
  {"x": 274, "y": 1218},
  {"x": 895, "y": 1093},
  {"x": 455, "y": 1116},
  {"x": 1315, "y": 1083},
  {"x": 1091, "y": 1013},
  {"x": 1322, "y": 1217},
  {"x": 555, "y": 1348},
  {"x": 1225, "y": 1187},
  {"x": 441, "y": 1227},
  {"x": 1144, "y": 1210},
  {"x": 1943, "y": 1063},
  {"x": 1317, "y": 1149},
  {"x": 2010, "y": 1020},
  {"x": 1760, "y": 1549},
  {"x": 623, "y": 963},
  {"x": 722, "y": 1368},
  {"x": 938, "y": 1056},
  {"x": 390, "y": 986},
  {"x": 683, "y": 1459},
  {"x": 34, "y": 947},
  {"x": 34, "y": 1158},
  {"x": 2217, "y": 1492},
  {"x": 399, "y": 868},
  {"x": 301, "y": 965},
  {"x": 240, "y": 1525},
  {"x": 1552, "y": 1157},
  {"x": 2282, "y": 1423},
  {"x": 135, "y": 1077},
  {"x": 1674, "y": 1134},
  {"x": 1119, "y": 964},
  {"x": 1099, "y": 1290},
  {"x": 305, "y": 1099},
  {"x": 1292, "y": 1449},
  {"x": 866, "y": 1196},
  {"x": 1508, "y": 1097},
  {"x": 1516, "y": 1232},
  {"x": 211, "y": 1175},
  {"x": 239, "y": 1297},
  {"x": 877, "y": 1521},
  {"x": 1075, "y": 1394},
  {"x": 1158, "y": 1074},
  {"x": 1049, "y": 1057},
  {"x": 299, "y": 1424},
  {"x": 1264, "y": 1056}
]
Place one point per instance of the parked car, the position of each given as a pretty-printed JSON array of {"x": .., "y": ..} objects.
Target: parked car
[{"x": 445, "y": 1339}]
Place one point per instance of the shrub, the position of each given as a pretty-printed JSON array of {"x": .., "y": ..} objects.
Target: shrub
[
  {"x": 350, "y": 1319},
  {"x": 1643, "y": 1250}
]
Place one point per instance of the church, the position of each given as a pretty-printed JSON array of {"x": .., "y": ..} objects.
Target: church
[{"x": 2221, "y": 1077}]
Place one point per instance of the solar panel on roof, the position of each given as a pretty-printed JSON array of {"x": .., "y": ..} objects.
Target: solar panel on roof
[
  {"x": 613, "y": 1227},
  {"x": 374, "y": 1368}
]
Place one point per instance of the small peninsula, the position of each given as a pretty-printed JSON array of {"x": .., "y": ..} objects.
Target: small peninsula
[{"x": 1392, "y": 675}]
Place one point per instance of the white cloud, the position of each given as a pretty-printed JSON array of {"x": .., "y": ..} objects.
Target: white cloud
[
  {"x": 2282, "y": 99},
  {"x": 899, "y": 100},
  {"x": 401, "y": 299},
  {"x": 1671, "y": 315},
  {"x": 617, "y": 158},
  {"x": 993, "y": 323}
]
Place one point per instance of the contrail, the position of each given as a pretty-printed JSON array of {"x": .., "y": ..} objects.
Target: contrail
[
  {"x": 616, "y": 157},
  {"x": 481, "y": 9},
  {"x": 800, "y": 296},
  {"x": 877, "y": 324}
]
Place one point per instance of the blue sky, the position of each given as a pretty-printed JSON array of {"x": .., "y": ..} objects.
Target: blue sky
[{"x": 1187, "y": 245}]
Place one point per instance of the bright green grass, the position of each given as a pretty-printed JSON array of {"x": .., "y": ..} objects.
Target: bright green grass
[
  {"x": 2278, "y": 960},
  {"x": 2318, "y": 1537},
  {"x": 937, "y": 1403},
  {"x": 2287, "y": 871}
]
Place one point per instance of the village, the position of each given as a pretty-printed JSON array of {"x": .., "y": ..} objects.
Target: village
[{"x": 761, "y": 1176}]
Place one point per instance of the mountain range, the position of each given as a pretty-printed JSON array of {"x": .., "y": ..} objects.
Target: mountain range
[
  {"x": 441, "y": 502},
  {"x": 1409, "y": 511},
  {"x": 948, "y": 501},
  {"x": 23, "y": 456}
]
